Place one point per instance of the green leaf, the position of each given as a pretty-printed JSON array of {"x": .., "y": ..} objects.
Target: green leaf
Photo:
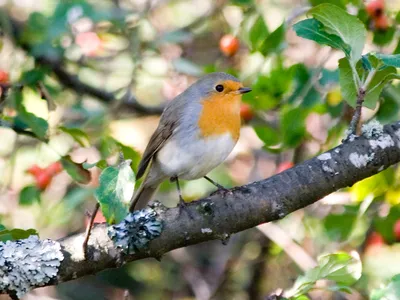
[
  {"x": 390, "y": 105},
  {"x": 269, "y": 90},
  {"x": 390, "y": 292},
  {"x": 336, "y": 2},
  {"x": 313, "y": 29},
  {"x": 29, "y": 195},
  {"x": 300, "y": 82},
  {"x": 32, "y": 77},
  {"x": 386, "y": 224},
  {"x": 348, "y": 87},
  {"x": 116, "y": 186},
  {"x": 340, "y": 267},
  {"x": 16, "y": 234},
  {"x": 397, "y": 49},
  {"x": 36, "y": 29},
  {"x": 242, "y": 2},
  {"x": 130, "y": 154},
  {"x": 268, "y": 135},
  {"x": 339, "y": 226},
  {"x": 338, "y": 22},
  {"x": 258, "y": 32},
  {"x": 75, "y": 170},
  {"x": 389, "y": 60},
  {"x": 274, "y": 41},
  {"x": 293, "y": 126},
  {"x": 101, "y": 164},
  {"x": 384, "y": 37},
  {"x": 26, "y": 119},
  {"x": 78, "y": 135}
]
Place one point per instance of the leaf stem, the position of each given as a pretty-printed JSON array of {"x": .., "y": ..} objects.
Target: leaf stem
[
  {"x": 368, "y": 80},
  {"x": 89, "y": 228},
  {"x": 356, "y": 77}
]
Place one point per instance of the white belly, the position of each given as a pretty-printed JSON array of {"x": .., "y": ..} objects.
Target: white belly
[{"x": 196, "y": 158}]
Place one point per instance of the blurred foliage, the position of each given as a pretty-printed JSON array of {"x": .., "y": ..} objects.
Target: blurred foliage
[{"x": 61, "y": 60}]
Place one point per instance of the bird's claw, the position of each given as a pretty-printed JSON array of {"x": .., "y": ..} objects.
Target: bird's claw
[
  {"x": 183, "y": 207},
  {"x": 221, "y": 191}
]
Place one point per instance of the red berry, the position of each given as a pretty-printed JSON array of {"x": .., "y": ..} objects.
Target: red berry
[
  {"x": 43, "y": 180},
  {"x": 35, "y": 170},
  {"x": 375, "y": 8},
  {"x": 246, "y": 112},
  {"x": 375, "y": 239},
  {"x": 396, "y": 230},
  {"x": 229, "y": 44},
  {"x": 54, "y": 168},
  {"x": 381, "y": 22},
  {"x": 283, "y": 166},
  {"x": 3, "y": 76}
]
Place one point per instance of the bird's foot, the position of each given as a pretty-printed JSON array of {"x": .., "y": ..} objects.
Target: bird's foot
[
  {"x": 222, "y": 191},
  {"x": 184, "y": 207}
]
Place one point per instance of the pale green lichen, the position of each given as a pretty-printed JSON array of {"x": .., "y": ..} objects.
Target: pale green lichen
[
  {"x": 372, "y": 129},
  {"x": 28, "y": 263},
  {"x": 135, "y": 232}
]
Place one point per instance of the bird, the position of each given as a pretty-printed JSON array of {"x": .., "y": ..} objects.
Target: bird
[{"x": 197, "y": 131}]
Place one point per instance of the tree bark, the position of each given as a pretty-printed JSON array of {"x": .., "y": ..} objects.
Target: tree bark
[{"x": 222, "y": 214}]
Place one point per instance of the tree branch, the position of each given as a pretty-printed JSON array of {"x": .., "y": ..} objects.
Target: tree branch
[
  {"x": 220, "y": 215},
  {"x": 57, "y": 65}
]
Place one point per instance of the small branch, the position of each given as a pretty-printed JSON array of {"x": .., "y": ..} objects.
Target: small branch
[
  {"x": 57, "y": 65},
  {"x": 293, "y": 250},
  {"x": 46, "y": 95},
  {"x": 89, "y": 228},
  {"x": 313, "y": 79},
  {"x": 73, "y": 82},
  {"x": 354, "y": 127},
  {"x": 258, "y": 279}
]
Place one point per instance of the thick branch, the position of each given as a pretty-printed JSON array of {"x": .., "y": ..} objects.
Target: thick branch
[{"x": 219, "y": 215}]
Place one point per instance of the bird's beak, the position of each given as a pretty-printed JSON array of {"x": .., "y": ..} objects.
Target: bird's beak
[{"x": 244, "y": 90}]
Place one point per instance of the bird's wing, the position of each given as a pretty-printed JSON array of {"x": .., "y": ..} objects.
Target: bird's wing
[{"x": 168, "y": 123}]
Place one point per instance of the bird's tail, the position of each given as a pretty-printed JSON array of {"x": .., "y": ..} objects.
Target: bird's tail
[{"x": 143, "y": 195}]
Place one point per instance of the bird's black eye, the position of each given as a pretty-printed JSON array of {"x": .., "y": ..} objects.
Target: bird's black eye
[{"x": 219, "y": 88}]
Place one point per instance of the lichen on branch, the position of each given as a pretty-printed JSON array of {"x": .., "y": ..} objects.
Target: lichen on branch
[{"x": 28, "y": 263}]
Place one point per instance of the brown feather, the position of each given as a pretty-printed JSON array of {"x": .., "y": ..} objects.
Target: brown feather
[{"x": 157, "y": 140}]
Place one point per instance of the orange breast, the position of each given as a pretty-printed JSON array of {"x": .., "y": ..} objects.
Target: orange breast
[{"x": 220, "y": 115}]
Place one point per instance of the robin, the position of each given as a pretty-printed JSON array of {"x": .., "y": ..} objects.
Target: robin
[{"x": 197, "y": 131}]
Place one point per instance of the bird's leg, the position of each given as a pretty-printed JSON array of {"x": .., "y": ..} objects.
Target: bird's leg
[
  {"x": 182, "y": 203},
  {"x": 220, "y": 187}
]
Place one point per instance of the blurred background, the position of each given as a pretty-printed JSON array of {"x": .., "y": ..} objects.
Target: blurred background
[{"x": 93, "y": 77}]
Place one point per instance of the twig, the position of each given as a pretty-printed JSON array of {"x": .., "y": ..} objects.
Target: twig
[
  {"x": 313, "y": 78},
  {"x": 258, "y": 277},
  {"x": 355, "y": 120},
  {"x": 56, "y": 64},
  {"x": 46, "y": 95},
  {"x": 89, "y": 228},
  {"x": 192, "y": 275},
  {"x": 73, "y": 82},
  {"x": 283, "y": 240}
]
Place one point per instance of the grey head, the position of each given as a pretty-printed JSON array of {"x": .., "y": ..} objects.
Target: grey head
[{"x": 206, "y": 85}]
